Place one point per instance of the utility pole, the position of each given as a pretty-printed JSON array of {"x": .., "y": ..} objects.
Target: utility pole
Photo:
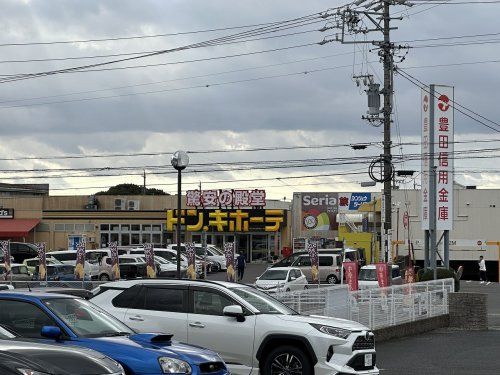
[
  {"x": 375, "y": 18},
  {"x": 144, "y": 183},
  {"x": 387, "y": 112}
]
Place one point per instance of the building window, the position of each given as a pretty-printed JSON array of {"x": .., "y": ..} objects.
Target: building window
[
  {"x": 131, "y": 234},
  {"x": 89, "y": 227},
  {"x": 125, "y": 239},
  {"x": 156, "y": 238},
  {"x": 80, "y": 228},
  {"x": 104, "y": 227},
  {"x": 135, "y": 239},
  {"x": 43, "y": 227},
  {"x": 69, "y": 227},
  {"x": 59, "y": 227},
  {"x": 259, "y": 246},
  {"x": 135, "y": 227},
  {"x": 114, "y": 227},
  {"x": 146, "y": 237}
]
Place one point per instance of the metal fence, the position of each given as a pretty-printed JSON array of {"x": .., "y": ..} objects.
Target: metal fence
[{"x": 377, "y": 307}]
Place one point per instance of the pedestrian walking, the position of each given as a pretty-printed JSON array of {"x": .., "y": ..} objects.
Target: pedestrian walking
[
  {"x": 482, "y": 270},
  {"x": 240, "y": 264}
]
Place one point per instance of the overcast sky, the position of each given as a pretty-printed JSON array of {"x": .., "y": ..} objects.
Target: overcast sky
[{"x": 62, "y": 116}]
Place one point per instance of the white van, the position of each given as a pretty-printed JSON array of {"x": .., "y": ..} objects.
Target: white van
[
  {"x": 69, "y": 257},
  {"x": 367, "y": 277}
]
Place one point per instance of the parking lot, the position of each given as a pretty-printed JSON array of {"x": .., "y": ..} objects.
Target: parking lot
[{"x": 439, "y": 352}]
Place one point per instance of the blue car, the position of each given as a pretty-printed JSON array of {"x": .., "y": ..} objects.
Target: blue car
[
  {"x": 72, "y": 321},
  {"x": 59, "y": 272}
]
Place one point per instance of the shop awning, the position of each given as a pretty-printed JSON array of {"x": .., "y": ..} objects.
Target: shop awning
[{"x": 16, "y": 227}]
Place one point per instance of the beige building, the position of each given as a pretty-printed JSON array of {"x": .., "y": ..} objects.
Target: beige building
[{"x": 63, "y": 221}]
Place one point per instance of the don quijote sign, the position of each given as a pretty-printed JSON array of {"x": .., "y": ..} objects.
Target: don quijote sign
[{"x": 226, "y": 198}]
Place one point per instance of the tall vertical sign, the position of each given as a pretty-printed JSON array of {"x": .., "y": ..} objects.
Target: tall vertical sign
[
  {"x": 42, "y": 261},
  {"x": 149, "y": 254},
  {"x": 80, "y": 261},
  {"x": 5, "y": 246},
  {"x": 426, "y": 150},
  {"x": 229, "y": 254},
  {"x": 312, "y": 250},
  {"x": 443, "y": 148},
  {"x": 115, "y": 267},
  {"x": 191, "y": 257}
]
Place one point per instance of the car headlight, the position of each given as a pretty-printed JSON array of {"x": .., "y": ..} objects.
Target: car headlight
[
  {"x": 332, "y": 331},
  {"x": 25, "y": 371},
  {"x": 174, "y": 366}
]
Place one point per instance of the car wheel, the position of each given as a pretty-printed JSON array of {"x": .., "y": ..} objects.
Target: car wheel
[
  {"x": 287, "y": 360},
  {"x": 332, "y": 279},
  {"x": 104, "y": 277}
]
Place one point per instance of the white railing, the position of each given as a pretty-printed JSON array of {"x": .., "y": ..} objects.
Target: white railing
[{"x": 376, "y": 307}]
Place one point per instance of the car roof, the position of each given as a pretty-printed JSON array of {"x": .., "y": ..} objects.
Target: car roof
[
  {"x": 32, "y": 295},
  {"x": 372, "y": 266},
  {"x": 283, "y": 269},
  {"x": 124, "y": 284}
]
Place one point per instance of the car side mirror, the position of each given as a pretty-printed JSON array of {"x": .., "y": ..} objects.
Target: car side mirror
[
  {"x": 51, "y": 332},
  {"x": 235, "y": 311},
  {"x": 293, "y": 278}
]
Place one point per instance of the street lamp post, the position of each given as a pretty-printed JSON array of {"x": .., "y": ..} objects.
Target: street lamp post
[{"x": 180, "y": 160}]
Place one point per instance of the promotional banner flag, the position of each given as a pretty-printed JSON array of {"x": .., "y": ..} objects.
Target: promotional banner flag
[
  {"x": 351, "y": 275},
  {"x": 312, "y": 250},
  {"x": 42, "y": 261},
  {"x": 229, "y": 254},
  {"x": 191, "y": 256},
  {"x": 5, "y": 246},
  {"x": 150, "y": 260},
  {"x": 80, "y": 261},
  {"x": 382, "y": 274},
  {"x": 115, "y": 267}
]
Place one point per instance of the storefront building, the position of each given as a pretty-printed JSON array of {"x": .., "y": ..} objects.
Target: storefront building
[{"x": 63, "y": 221}]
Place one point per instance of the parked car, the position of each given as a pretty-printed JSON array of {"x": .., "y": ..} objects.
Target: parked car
[
  {"x": 171, "y": 256},
  {"x": 58, "y": 272},
  {"x": 24, "y": 358},
  {"x": 19, "y": 272},
  {"x": 356, "y": 255},
  {"x": 133, "y": 270},
  {"x": 69, "y": 257},
  {"x": 247, "y": 327},
  {"x": 71, "y": 321},
  {"x": 33, "y": 262},
  {"x": 214, "y": 255},
  {"x": 367, "y": 277},
  {"x": 22, "y": 250},
  {"x": 329, "y": 267},
  {"x": 284, "y": 279}
]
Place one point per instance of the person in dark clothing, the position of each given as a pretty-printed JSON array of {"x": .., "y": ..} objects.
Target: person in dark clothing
[{"x": 240, "y": 264}]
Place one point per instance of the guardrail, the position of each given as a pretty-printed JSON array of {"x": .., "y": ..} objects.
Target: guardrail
[{"x": 376, "y": 307}]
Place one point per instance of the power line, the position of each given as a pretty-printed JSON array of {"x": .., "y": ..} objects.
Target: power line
[
  {"x": 278, "y": 26},
  {"x": 457, "y": 104},
  {"x": 177, "y": 79}
]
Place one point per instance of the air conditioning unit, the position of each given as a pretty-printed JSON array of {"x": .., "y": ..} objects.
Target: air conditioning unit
[
  {"x": 133, "y": 205},
  {"x": 120, "y": 204}
]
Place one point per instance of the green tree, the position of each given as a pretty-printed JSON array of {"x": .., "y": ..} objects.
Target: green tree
[{"x": 130, "y": 189}]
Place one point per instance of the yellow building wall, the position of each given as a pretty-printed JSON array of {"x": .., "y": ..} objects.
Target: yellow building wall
[{"x": 359, "y": 240}]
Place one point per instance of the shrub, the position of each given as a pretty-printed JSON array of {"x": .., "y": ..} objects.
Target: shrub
[{"x": 442, "y": 273}]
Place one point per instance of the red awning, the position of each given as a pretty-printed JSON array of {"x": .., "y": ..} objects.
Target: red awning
[{"x": 16, "y": 227}]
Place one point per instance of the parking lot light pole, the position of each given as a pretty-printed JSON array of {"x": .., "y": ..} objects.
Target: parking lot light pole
[{"x": 180, "y": 160}]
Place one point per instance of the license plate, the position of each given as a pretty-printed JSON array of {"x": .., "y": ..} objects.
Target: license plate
[{"x": 368, "y": 360}]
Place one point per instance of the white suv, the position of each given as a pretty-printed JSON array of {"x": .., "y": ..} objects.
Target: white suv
[{"x": 252, "y": 331}]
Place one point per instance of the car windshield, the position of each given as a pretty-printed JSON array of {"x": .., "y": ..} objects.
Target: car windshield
[
  {"x": 367, "y": 274},
  {"x": 162, "y": 260},
  {"x": 263, "y": 302},
  {"x": 216, "y": 250},
  {"x": 274, "y": 275},
  {"x": 85, "y": 319},
  {"x": 287, "y": 262}
]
